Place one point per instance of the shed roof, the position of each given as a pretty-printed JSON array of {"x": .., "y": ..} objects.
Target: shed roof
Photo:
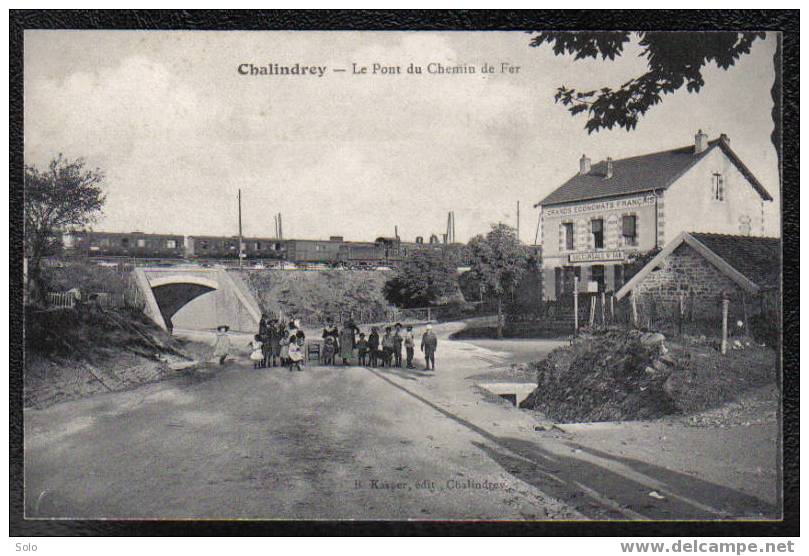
[{"x": 752, "y": 262}]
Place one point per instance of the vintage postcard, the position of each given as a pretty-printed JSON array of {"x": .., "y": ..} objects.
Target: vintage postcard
[{"x": 402, "y": 275}]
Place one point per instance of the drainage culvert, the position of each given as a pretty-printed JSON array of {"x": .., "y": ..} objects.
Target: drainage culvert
[{"x": 513, "y": 392}]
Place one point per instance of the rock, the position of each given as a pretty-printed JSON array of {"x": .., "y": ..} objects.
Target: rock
[
  {"x": 652, "y": 339},
  {"x": 668, "y": 360},
  {"x": 656, "y": 495}
]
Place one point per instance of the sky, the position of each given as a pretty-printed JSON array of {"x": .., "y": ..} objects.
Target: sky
[{"x": 178, "y": 130}]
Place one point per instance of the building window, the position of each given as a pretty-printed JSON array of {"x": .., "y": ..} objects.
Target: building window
[
  {"x": 141, "y": 243},
  {"x": 597, "y": 226},
  {"x": 718, "y": 193},
  {"x": 629, "y": 229},
  {"x": 125, "y": 242},
  {"x": 258, "y": 246},
  {"x": 569, "y": 231},
  {"x": 171, "y": 243}
]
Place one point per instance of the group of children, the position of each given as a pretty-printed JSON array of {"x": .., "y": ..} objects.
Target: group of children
[
  {"x": 387, "y": 350},
  {"x": 278, "y": 344}
]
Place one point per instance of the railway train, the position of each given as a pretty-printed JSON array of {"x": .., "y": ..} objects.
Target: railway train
[{"x": 335, "y": 251}]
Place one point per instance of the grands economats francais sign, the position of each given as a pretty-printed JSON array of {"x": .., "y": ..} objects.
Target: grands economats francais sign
[{"x": 599, "y": 206}]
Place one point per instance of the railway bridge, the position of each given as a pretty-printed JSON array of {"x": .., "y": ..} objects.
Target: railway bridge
[{"x": 197, "y": 298}]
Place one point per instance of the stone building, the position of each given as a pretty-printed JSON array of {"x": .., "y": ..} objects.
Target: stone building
[
  {"x": 609, "y": 212},
  {"x": 700, "y": 270}
]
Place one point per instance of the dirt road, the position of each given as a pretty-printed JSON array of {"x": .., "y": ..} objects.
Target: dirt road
[{"x": 340, "y": 442}]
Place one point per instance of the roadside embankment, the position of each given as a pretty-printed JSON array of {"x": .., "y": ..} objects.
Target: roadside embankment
[
  {"x": 313, "y": 296},
  {"x": 72, "y": 353}
]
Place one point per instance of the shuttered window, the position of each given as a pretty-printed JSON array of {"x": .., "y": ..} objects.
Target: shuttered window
[
  {"x": 629, "y": 229},
  {"x": 569, "y": 239},
  {"x": 718, "y": 187},
  {"x": 597, "y": 227}
]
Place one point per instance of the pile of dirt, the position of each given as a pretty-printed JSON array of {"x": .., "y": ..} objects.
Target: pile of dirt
[
  {"x": 621, "y": 375},
  {"x": 72, "y": 353},
  {"x": 613, "y": 376}
]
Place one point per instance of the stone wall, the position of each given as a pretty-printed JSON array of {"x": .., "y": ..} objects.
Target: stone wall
[{"x": 687, "y": 273}]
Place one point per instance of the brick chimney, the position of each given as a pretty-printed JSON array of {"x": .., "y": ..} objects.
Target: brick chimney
[
  {"x": 700, "y": 142},
  {"x": 609, "y": 168},
  {"x": 584, "y": 165}
]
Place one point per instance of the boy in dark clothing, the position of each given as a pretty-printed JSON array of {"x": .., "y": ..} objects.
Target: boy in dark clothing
[
  {"x": 373, "y": 346},
  {"x": 398, "y": 340},
  {"x": 410, "y": 345},
  {"x": 387, "y": 347},
  {"x": 362, "y": 349}
]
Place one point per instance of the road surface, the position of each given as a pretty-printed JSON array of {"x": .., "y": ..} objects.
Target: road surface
[{"x": 347, "y": 443}]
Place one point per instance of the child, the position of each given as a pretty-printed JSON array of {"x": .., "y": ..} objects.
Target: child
[
  {"x": 410, "y": 345},
  {"x": 362, "y": 349},
  {"x": 373, "y": 346},
  {"x": 272, "y": 349},
  {"x": 398, "y": 340},
  {"x": 387, "y": 347},
  {"x": 295, "y": 355},
  {"x": 284, "y": 346},
  {"x": 256, "y": 353},
  {"x": 221, "y": 349},
  {"x": 328, "y": 350}
]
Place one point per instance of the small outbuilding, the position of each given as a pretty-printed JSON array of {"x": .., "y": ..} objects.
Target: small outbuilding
[{"x": 699, "y": 270}]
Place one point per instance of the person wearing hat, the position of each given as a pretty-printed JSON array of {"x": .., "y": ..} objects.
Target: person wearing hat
[
  {"x": 221, "y": 348},
  {"x": 398, "y": 340},
  {"x": 387, "y": 347},
  {"x": 373, "y": 346},
  {"x": 410, "y": 345},
  {"x": 429, "y": 343}
]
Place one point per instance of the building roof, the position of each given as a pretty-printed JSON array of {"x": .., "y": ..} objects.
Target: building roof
[
  {"x": 754, "y": 263},
  {"x": 637, "y": 174},
  {"x": 757, "y": 258}
]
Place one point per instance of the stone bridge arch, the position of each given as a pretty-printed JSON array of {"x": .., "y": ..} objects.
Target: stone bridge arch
[{"x": 168, "y": 291}]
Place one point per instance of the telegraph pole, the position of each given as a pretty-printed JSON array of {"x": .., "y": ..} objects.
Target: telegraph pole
[
  {"x": 518, "y": 221},
  {"x": 240, "y": 228}
]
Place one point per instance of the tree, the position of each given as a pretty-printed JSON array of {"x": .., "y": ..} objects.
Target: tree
[
  {"x": 673, "y": 60},
  {"x": 424, "y": 277},
  {"x": 499, "y": 261},
  {"x": 64, "y": 196}
]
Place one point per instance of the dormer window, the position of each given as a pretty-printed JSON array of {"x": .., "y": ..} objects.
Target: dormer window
[{"x": 718, "y": 190}]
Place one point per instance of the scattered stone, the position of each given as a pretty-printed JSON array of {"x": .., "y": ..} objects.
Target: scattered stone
[{"x": 652, "y": 339}]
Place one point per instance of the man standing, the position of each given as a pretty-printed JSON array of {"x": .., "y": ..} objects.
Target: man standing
[
  {"x": 397, "y": 345},
  {"x": 429, "y": 343},
  {"x": 410, "y": 345}
]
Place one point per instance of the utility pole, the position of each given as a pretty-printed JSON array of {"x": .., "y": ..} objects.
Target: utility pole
[
  {"x": 240, "y": 228},
  {"x": 518, "y": 220}
]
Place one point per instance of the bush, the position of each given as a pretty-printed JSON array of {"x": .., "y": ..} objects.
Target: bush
[{"x": 88, "y": 277}]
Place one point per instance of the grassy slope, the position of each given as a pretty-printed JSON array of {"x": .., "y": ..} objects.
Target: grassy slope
[
  {"x": 74, "y": 353},
  {"x": 312, "y": 296}
]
